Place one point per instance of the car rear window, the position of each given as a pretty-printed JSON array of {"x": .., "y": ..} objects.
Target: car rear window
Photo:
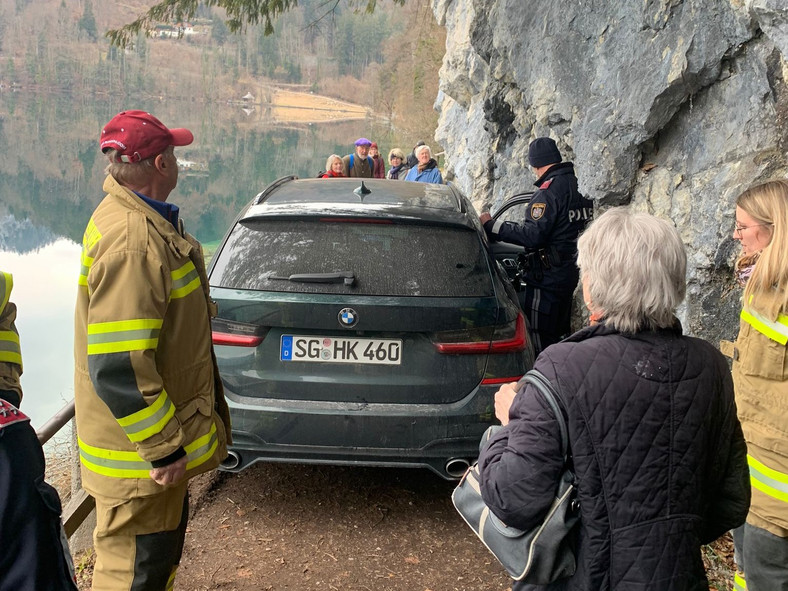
[{"x": 384, "y": 259}]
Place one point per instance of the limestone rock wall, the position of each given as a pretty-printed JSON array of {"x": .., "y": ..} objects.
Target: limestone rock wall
[{"x": 672, "y": 106}]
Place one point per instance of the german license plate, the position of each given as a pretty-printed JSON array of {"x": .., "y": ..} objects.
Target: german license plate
[{"x": 341, "y": 350}]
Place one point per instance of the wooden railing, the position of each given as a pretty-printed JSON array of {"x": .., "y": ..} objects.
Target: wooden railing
[{"x": 81, "y": 503}]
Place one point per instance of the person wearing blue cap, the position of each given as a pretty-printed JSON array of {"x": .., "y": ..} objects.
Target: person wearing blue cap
[
  {"x": 555, "y": 217},
  {"x": 359, "y": 164}
]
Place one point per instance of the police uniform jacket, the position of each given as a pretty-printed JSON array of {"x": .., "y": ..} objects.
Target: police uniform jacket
[
  {"x": 147, "y": 388},
  {"x": 760, "y": 372},
  {"x": 555, "y": 217},
  {"x": 656, "y": 447}
]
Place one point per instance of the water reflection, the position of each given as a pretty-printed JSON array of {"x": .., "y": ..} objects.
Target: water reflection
[
  {"x": 45, "y": 290},
  {"x": 51, "y": 175}
]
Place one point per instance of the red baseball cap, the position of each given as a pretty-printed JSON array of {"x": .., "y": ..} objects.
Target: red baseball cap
[{"x": 138, "y": 135}]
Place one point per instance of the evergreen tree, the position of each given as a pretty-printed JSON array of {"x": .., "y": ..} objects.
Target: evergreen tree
[
  {"x": 219, "y": 31},
  {"x": 87, "y": 22}
]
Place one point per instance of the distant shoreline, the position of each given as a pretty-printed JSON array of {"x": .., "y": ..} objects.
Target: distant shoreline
[
  {"x": 302, "y": 107},
  {"x": 282, "y": 105}
]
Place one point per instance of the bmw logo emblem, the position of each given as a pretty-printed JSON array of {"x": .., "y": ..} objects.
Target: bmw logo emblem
[{"x": 347, "y": 317}]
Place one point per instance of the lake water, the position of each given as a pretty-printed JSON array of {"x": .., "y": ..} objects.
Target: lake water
[{"x": 51, "y": 175}]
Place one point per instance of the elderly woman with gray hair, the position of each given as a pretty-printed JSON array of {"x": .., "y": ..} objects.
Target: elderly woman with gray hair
[
  {"x": 426, "y": 171},
  {"x": 655, "y": 442}
]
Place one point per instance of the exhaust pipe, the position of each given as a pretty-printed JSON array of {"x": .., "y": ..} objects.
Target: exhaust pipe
[
  {"x": 232, "y": 461},
  {"x": 456, "y": 467}
]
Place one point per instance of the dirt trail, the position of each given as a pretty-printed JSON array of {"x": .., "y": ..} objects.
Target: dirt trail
[
  {"x": 281, "y": 526},
  {"x": 278, "y": 526}
]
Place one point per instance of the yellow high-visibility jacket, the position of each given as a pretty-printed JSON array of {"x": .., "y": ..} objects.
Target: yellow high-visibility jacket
[
  {"x": 760, "y": 375},
  {"x": 10, "y": 353},
  {"x": 146, "y": 384}
]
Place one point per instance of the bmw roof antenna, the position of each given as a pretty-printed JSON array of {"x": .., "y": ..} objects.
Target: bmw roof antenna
[{"x": 362, "y": 190}]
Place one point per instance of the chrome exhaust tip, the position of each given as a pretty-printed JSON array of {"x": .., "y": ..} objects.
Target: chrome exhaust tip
[
  {"x": 232, "y": 461},
  {"x": 456, "y": 467}
]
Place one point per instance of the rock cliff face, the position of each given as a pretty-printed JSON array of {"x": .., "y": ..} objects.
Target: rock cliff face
[{"x": 672, "y": 106}]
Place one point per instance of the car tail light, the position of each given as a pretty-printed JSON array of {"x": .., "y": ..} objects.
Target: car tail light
[
  {"x": 496, "y": 381},
  {"x": 236, "y": 334},
  {"x": 509, "y": 338}
]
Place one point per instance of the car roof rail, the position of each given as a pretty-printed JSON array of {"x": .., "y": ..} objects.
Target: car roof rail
[{"x": 270, "y": 188}]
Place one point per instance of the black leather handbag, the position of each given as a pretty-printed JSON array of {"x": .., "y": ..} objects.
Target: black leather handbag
[{"x": 547, "y": 552}]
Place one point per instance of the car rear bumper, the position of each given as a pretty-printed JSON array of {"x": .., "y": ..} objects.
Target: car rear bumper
[{"x": 441, "y": 437}]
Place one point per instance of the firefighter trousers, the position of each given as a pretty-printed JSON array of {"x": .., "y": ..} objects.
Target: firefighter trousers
[{"x": 139, "y": 542}]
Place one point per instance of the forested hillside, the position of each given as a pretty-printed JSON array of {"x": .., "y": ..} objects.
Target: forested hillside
[{"x": 387, "y": 60}]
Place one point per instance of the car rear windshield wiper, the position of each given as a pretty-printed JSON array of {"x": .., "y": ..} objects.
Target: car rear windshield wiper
[{"x": 346, "y": 277}]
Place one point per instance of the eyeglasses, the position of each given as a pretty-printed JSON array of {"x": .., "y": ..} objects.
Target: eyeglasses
[{"x": 738, "y": 229}]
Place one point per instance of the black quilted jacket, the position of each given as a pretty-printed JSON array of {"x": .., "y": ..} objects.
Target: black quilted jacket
[{"x": 658, "y": 451}]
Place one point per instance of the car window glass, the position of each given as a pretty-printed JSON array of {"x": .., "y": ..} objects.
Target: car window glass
[
  {"x": 515, "y": 213},
  {"x": 385, "y": 259}
]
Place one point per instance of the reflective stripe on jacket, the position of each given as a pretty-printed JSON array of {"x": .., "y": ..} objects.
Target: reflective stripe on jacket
[
  {"x": 776, "y": 330},
  {"x": 146, "y": 383},
  {"x": 10, "y": 352},
  {"x": 760, "y": 372}
]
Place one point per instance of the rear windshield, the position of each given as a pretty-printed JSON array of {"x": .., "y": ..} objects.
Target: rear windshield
[{"x": 380, "y": 259}]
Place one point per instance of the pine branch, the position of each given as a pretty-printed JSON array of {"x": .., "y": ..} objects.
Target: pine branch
[{"x": 239, "y": 12}]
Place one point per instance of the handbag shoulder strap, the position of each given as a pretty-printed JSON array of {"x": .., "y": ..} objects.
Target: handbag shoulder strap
[{"x": 538, "y": 380}]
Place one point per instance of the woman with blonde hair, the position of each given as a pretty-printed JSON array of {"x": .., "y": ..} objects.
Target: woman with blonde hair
[
  {"x": 333, "y": 167},
  {"x": 398, "y": 168},
  {"x": 655, "y": 443},
  {"x": 760, "y": 375}
]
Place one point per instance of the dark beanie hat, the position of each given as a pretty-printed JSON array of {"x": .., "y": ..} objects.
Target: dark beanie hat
[{"x": 542, "y": 152}]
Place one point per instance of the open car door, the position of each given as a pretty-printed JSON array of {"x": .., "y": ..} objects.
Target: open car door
[{"x": 506, "y": 253}]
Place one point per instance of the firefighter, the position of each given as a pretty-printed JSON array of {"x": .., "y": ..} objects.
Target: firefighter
[
  {"x": 150, "y": 407},
  {"x": 555, "y": 217},
  {"x": 34, "y": 551},
  {"x": 760, "y": 376}
]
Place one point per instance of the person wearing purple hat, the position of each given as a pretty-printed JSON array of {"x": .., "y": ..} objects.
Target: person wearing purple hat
[
  {"x": 555, "y": 217},
  {"x": 359, "y": 164},
  {"x": 150, "y": 407}
]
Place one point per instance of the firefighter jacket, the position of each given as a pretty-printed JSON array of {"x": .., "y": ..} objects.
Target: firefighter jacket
[
  {"x": 147, "y": 388},
  {"x": 760, "y": 374},
  {"x": 555, "y": 217},
  {"x": 10, "y": 353}
]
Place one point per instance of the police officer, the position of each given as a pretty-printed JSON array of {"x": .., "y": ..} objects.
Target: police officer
[
  {"x": 555, "y": 217},
  {"x": 33, "y": 550}
]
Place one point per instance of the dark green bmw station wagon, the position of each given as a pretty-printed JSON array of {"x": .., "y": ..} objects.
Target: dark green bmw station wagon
[{"x": 362, "y": 323}]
